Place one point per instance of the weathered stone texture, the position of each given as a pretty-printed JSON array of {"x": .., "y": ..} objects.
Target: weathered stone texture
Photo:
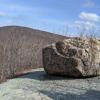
[{"x": 73, "y": 57}]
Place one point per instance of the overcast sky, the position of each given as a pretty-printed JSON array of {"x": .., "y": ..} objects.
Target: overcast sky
[{"x": 59, "y": 16}]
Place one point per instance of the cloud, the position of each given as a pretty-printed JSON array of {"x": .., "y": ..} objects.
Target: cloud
[
  {"x": 87, "y": 21},
  {"x": 2, "y": 14},
  {"x": 84, "y": 25},
  {"x": 19, "y": 7},
  {"x": 89, "y": 16},
  {"x": 89, "y": 3},
  {"x": 15, "y": 7}
]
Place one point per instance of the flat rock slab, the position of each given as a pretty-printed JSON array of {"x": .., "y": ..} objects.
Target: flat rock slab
[{"x": 37, "y": 85}]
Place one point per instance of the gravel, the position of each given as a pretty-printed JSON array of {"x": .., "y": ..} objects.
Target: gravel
[{"x": 37, "y": 85}]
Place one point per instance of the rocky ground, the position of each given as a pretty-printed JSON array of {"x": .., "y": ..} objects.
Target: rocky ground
[{"x": 37, "y": 85}]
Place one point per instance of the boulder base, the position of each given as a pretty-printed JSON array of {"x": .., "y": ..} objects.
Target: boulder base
[{"x": 73, "y": 57}]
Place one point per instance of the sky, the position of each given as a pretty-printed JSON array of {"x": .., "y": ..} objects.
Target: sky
[{"x": 57, "y": 16}]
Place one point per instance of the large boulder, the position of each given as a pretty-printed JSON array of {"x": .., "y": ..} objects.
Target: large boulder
[{"x": 73, "y": 57}]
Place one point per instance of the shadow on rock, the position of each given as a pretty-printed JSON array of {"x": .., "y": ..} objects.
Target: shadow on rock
[
  {"x": 89, "y": 95},
  {"x": 43, "y": 76}
]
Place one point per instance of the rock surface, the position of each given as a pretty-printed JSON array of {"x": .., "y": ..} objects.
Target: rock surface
[
  {"x": 73, "y": 57},
  {"x": 37, "y": 85}
]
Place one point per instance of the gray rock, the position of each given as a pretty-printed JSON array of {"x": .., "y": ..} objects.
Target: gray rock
[
  {"x": 37, "y": 85},
  {"x": 73, "y": 57}
]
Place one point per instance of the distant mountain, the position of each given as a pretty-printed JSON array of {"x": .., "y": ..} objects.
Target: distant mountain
[{"x": 21, "y": 47}]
